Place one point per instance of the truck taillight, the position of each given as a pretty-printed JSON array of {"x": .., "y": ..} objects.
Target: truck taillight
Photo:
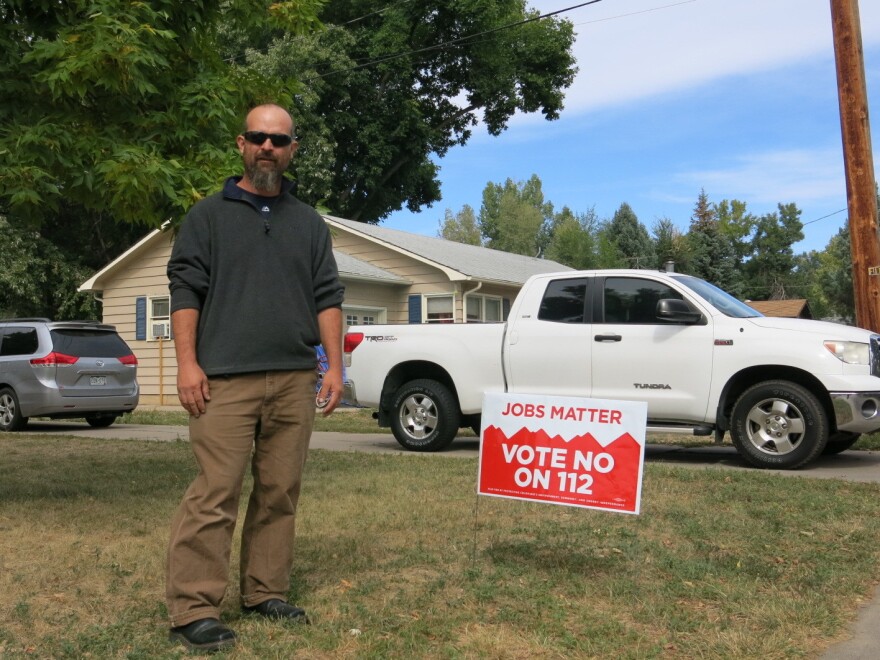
[{"x": 352, "y": 341}]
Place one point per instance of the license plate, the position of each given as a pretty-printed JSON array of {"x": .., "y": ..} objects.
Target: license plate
[{"x": 97, "y": 380}]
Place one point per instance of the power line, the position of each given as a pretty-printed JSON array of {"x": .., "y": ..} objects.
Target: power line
[
  {"x": 453, "y": 42},
  {"x": 804, "y": 224},
  {"x": 636, "y": 13}
]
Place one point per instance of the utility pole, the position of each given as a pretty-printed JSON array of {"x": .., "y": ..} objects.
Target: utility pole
[{"x": 858, "y": 161}]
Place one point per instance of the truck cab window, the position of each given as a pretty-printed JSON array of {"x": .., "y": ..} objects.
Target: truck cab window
[
  {"x": 564, "y": 301},
  {"x": 634, "y": 300}
]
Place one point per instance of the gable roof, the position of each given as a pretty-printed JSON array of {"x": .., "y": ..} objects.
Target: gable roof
[
  {"x": 352, "y": 268},
  {"x": 793, "y": 308},
  {"x": 459, "y": 261}
]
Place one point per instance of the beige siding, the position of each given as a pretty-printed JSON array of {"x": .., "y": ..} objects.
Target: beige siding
[
  {"x": 425, "y": 278},
  {"x": 365, "y": 295},
  {"x": 142, "y": 273},
  {"x": 157, "y": 368}
]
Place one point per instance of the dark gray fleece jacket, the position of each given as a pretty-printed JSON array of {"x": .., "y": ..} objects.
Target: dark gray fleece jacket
[{"x": 257, "y": 280}]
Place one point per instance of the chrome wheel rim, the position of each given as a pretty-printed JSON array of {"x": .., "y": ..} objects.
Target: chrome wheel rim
[
  {"x": 775, "y": 426},
  {"x": 418, "y": 416}
]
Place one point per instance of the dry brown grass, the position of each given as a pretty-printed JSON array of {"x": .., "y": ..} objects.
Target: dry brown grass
[{"x": 397, "y": 557}]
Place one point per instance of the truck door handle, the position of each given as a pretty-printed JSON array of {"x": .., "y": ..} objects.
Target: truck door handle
[{"x": 607, "y": 337}]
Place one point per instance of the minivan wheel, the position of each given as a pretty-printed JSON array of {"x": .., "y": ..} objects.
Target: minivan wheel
[
  {"x": 100, "y": 421},
  {"x": 10, "y": 413}
]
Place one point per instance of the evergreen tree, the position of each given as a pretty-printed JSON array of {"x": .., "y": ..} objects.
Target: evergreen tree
[
  {"x": 670, "y": 245},
  {"x": 711, "y": 254},
  {"x": 631, "y": 238}
]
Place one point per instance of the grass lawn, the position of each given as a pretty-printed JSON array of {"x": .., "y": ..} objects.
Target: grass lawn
[{"x": 396, "y": 557}]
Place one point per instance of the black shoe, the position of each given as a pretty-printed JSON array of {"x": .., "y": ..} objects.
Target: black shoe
[
  {"x": 203, "y": 635},
  {"x": 275, "y": 608}
]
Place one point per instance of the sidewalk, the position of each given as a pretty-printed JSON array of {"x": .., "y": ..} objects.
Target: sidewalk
[{"x": 865, "y": 641}]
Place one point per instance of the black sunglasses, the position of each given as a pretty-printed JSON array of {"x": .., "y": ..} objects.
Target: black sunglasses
[{"x": 259, "y": 137}]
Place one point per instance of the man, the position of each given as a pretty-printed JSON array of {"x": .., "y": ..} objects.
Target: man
[{"x": 254, "y": 288}]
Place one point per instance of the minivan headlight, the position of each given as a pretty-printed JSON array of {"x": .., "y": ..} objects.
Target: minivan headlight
[{"x": 851, "y": 352}]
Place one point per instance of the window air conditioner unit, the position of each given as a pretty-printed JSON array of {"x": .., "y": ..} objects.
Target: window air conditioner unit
[{"x": 161, "y": 330}]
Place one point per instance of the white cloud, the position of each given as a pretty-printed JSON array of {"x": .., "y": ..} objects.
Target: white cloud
[
  {"x": 633, "y": 49},
  {"x": 796, "y": 175}
]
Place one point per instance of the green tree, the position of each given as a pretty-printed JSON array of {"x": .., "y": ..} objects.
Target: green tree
[
  {"x": 120, "y": 108},
  {"x": 738, "y": 225},
  {"x": 608, "y": 254},
  {"x": 35, "y": 277},
  {"x": 834, "y": 277},
  {"x": 389, "y": 88},
  {"x": 632, "y": 239},
  {"x": 461, "y": 227},
  {"x": 711, "y": 254},
  {"x": 515, "y": 218},
  {"x": 573, "y": 241},
  {"x": 117, "y": 115},
  {"x": 670, "y": 244},
  {"x": 770, "y": 267}
]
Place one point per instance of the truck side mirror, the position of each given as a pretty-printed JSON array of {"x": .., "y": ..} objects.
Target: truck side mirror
[{"x": 677, "y": 311}]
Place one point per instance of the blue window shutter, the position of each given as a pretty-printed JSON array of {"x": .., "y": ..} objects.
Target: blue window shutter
[
  {"x": 415, "y": 308},
  {"x": 140, "y": 317},
  {"x": 505, "y": 306}
]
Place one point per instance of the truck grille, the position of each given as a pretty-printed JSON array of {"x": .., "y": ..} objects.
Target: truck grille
[{"x": 875, "y": 355}]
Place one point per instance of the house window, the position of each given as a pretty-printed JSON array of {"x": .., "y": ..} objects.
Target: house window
[
  {"x": 483, "y": 309},
  {"x": 439, "y": 309},
  {"x": 363, "y": 316},
  {"x": 159, "y": 321}
]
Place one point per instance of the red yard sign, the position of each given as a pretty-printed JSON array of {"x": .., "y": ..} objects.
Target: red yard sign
[{"x": 563, "y": 450}]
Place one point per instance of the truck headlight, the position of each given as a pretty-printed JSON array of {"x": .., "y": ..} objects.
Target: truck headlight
[{"x": 850, "y": 352}]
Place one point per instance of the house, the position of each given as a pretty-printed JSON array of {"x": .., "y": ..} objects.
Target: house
[
  {"x": 390, "y": 276},
  {"x": 795, "y": 308}
]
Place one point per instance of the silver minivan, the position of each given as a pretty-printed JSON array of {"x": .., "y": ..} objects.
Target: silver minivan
[{"x": 64, "y": 369}]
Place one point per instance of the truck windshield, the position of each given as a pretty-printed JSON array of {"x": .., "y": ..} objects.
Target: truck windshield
[{"x": 718, "y": 298}]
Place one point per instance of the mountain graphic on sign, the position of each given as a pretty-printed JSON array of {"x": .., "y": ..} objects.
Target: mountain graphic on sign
[{"x": 586, "y": 442}]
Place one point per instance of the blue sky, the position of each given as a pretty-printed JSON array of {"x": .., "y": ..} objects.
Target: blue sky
[{"x": 738, "y": 97}]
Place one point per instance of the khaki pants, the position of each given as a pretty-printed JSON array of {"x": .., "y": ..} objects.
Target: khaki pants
[{"x": 265, "y": 420}]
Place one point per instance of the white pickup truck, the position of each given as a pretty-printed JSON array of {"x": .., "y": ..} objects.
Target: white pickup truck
[{"x": 787, "y": 390}]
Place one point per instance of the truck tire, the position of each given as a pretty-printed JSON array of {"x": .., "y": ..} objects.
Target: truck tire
[
  {"x": 840, "y": 441},
  {"x": 425, "y": 415},
  {"x": 10, "y": 413},
  {"x": 779, "y": 424}
]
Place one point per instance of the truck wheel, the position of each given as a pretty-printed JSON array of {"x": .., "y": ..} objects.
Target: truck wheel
[
  {"x": 10, "y": 413},
  {"x": 425, "y": 415},
  {"x": 778, "y": 424},
  {"x": 840, "y": 441}
]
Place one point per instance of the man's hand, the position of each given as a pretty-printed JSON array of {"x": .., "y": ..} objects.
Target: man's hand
[
  {"x": 192, "y": 388},
  {"x": 192, "y": 383},
  {"x": 330, "y": 326},
  {"x": 331, "y": 391}
]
